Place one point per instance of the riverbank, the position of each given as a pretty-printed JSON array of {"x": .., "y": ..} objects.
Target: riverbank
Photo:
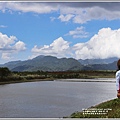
[
  {"x": 88, "y": 80},
  {"x": 62, "y": 80},
  {"x": 22, "y": 81},
  {"x": 108, "y": 109},
  {"x": 8, "y": 77}
]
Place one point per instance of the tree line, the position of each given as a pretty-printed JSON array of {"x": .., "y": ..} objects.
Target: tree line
[{"x": 7, "y": 75}]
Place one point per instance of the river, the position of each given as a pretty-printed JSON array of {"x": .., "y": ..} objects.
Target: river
[{"x": 52, "y": 99}]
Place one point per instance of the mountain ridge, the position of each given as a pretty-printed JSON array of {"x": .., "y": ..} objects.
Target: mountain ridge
[
  {"x": 97, "y": 61},
  {"x": 44, "y": 63},
  {"x": 51, "y": 63}
]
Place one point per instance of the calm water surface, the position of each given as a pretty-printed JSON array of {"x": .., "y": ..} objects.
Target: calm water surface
[{"x": 51, "y": 99}]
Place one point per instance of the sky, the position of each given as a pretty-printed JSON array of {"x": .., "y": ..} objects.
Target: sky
[{"x": 80, "y": 30}]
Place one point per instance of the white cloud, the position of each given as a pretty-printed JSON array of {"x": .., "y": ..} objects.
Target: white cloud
[
  {"x": 83, "y": 15},
  {"x": 79, "y": 32},
  {"x": 5, "y": 41},
  {"x": 105, "y": 44},
  {"x": 87, "y": 11},
  {"x": 10, "y": 45},
  {"x": 80, "y": 12},
  {"x": 65, "y": 18},
  {"x": 28, "y": 7},
  {"x": 52, "y": 18},
  {"x": 59, "y": 48},
  {"x": 6, "y": 56},
  {"x": 19, "y": 46},
  {"x": 3, "y": 26}
]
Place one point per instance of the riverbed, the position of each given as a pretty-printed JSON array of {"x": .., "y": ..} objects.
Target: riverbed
[{"x": 52, "y": 99}]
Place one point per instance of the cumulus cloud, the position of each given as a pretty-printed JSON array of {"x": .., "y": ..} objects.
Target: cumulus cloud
[
  {"x": 59, "y": 48},
  {"x": 105, "y": 44},
  {"x": 10, "y": 45},
  {"x": 19, "y": 46},
  {"x": 79, "y": 32}
]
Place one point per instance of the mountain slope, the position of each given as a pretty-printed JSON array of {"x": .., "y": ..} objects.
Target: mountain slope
[
  {"x": 110, "y": 66},
  {"x": 97, "y": 61},
  {"x": 45, "y": 63},
  {"x": 50, "y": 63}
]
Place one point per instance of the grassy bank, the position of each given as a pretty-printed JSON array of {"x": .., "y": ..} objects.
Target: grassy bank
[
  {"x": 21, "y": 81},
  {"x": 16, "y": 78},
  {"x": 108, "y": 109}
]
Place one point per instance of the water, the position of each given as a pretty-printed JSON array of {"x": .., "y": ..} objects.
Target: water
[{"x": 52, "y": 99}]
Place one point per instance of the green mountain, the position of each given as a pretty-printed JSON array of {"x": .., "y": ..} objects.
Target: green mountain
[
  {"x": 44, "y": 63},
  {"x": 50, "y": 63}
]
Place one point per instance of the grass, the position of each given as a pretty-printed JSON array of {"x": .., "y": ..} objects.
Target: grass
[
  {"x": 21, "y": 81},
  {"x": 15, "y": 78},
  {"x": 108, "y": 109}
]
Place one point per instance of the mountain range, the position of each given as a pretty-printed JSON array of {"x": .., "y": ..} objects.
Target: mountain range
[
  {"x": 50, "y": 63},
  {"x": 97, "y": 61}
]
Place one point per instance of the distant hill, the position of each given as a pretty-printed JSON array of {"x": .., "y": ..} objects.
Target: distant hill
[
  {"x": 97, "y": 61},
  {"x": 44, "y": 63},
  {"x": 110, "y": 66},
  {"x": 50, "y": 63},
  {"x": 11, "y": 64}
]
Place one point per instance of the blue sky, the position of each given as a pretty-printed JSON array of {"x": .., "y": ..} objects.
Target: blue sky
[{"x": 81, "y": 30}]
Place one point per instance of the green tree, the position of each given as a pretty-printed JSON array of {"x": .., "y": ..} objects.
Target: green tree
[{"x": 4, "y": 72}]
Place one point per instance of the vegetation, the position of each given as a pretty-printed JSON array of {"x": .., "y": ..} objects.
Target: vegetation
[
  {"x": 4, "y": 72},
  {"x": 108, "y": 109},
  {"x": 66, "y": 74},
  {"x": 6, "y": 76},
  {"x": 50, "y": 63},
  {"x": 44, "y": 63}
]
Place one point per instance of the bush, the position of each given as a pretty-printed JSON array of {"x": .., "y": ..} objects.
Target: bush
[{"x": 4, "y": 72}]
